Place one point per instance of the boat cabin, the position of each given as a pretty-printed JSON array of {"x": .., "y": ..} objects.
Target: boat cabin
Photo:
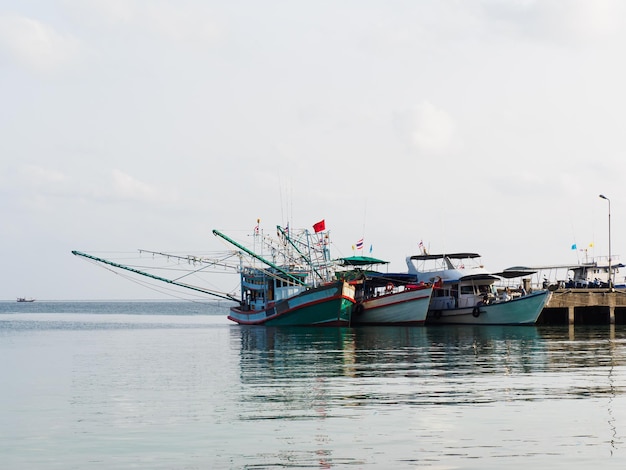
[
  {"x": 466, "y": 293},
  {"x": 261, "y": 288},
  {"x": 360, "y": 272},
  {"x": 460, "y": 280}
]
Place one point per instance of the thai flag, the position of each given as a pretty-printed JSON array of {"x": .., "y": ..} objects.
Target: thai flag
[{"x": 359, "y": 244}]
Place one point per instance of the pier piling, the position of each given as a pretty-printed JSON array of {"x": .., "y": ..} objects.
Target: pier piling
[{"x": 585, "y": 306}]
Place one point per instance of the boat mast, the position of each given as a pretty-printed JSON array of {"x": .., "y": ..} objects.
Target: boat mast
[
  {"x": 306, "y": 258},
  {"x": 158, "y": 278},
  {"x": 263, "y": 260}
]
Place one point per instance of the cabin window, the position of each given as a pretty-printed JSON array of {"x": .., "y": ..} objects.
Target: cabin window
[{"x": 467, "y": 290}]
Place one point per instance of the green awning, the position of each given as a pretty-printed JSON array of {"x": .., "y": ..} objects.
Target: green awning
[{"x": 360, "y": 261}]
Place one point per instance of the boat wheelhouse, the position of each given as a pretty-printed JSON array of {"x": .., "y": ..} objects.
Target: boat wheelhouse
[{"x": 271, "y": 298}]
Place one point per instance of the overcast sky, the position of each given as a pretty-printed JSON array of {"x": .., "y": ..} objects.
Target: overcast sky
[{"x": 485, "y": 126}]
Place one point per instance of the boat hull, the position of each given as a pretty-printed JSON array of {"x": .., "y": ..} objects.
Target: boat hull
[
  {"x": 327, "y": 305},
  {"x": 408, "y": 307},
  {"x": 520, "y": 311}
]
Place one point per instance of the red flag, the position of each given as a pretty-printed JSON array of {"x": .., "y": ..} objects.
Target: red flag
[{"x": 318, "y": 227}]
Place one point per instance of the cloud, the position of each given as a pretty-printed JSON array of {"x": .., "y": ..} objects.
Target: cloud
[
  {"x": 39, "y": 176},
  {"x": 38, "y": 183},
  {"x": 180, "y": 24},
  {"x": 427, "y": 128},
  {"x": 174, "y": 21},
  {"x": 572, "y": 22},
  {"x": 36, "y": 45},
  {"x": 128, "y": 188},
  {"x": 598, "y": 19},
  {"x": 111, "y": 11}
]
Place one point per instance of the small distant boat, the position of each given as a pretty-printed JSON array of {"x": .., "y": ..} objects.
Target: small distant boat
[
  {"x": 466, "y": 293},
  {"x": 24, "y": 299},
  {"x": 385, "y": 298}
]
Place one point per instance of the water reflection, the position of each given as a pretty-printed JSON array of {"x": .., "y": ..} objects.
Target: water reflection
[
  {"x": 442, "y": 364},
  {"x": 399, "y": 377}
]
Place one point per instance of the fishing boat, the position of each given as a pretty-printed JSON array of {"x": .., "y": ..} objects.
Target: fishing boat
[
  {"x": 279, "y": 298},
  {"x": 466, "y": 293},
  {"x": 301, "y": 291},
  {"x": 296, "y": 288},
  {"x": 385, "y": 298},
  {"x": 24, "y": 299}
]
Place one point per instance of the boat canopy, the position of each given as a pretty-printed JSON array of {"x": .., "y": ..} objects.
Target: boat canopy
[
  {"x": 361, "y": 261},
  {"x": 510, "y": 273},
  {"x": 479, "y": 277},
  {"x": 445, "y": 255},
  {"x": 383, "y": 279}
]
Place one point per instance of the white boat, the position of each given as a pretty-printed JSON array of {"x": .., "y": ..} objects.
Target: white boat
[
  {"x": 466, "y": 293},
  {"x": 385, "y": 298},
  {"x": 24, "y": 299}
]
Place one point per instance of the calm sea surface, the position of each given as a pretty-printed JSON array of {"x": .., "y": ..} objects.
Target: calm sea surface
[{"x": 169, "y": 385}]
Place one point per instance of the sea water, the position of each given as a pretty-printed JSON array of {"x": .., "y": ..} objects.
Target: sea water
[{"x": 171, "y": 385}]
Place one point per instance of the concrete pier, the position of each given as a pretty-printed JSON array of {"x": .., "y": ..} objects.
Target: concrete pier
[{"x": 585, "y": 306}]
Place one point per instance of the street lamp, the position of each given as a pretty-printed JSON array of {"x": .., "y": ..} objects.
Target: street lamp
[{"x": 610, "y": 272}]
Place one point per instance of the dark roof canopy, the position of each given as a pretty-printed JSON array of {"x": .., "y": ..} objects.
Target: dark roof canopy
[
  {"x": 479, "y": 277},
  {"x": 385, "y": 278},
  {"x": 446, "y": 255},
  {"x": 510, "y": 273}
]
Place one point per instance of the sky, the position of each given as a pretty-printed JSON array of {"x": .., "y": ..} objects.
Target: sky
[{"x": 487, "y": 126}]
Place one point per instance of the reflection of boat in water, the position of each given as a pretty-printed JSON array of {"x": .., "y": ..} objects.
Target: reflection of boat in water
[
  {"x": 462, "y": 350},
  {"x": 385, "y": 298},
  {"x": 269, "y": 352},
  {"x": 25, "y": 299},
  {"x": 466, "y": 293}
]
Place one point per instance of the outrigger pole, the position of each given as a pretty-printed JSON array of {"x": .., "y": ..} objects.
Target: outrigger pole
[
  {"x": 158, "y": 278},
  {"x": 254, "y": 255}
]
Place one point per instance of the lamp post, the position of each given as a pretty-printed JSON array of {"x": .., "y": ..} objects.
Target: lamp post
[{"x": 610, "y": 271}]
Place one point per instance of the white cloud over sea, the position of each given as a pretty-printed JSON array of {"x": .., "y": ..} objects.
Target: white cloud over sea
[{"x": 480, "y": 125}]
